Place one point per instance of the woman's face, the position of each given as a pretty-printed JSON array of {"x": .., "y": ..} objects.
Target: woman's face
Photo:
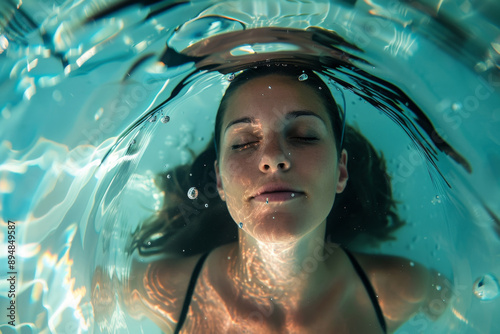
[{"x": 278, "y": 170}]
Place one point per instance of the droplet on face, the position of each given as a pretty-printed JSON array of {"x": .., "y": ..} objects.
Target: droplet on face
[
  {"x": 192, "y": 193},
  {"x": 267, "y": 200},
  {"x": 486, "y": 287},
  {"x": 153, "y": 119},
  {"x": 303, "y": 77},
  {"x": 240, "y": 225},
  {"x": 293, "y": 195},
  {"x": 165, "y": 119}
]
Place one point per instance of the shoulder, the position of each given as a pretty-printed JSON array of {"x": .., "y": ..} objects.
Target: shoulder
[
  {"x": 158, "y": 289},
  {"x": 402, "y": 285}
]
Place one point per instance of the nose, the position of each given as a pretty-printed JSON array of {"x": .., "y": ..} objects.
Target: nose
[{"x": 274, "y": 158}]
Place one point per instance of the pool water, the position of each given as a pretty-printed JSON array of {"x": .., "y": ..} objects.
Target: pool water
[{"x": 98, "y": 97}]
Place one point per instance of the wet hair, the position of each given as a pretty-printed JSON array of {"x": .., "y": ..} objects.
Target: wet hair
[{"x": 364, "y": 211}]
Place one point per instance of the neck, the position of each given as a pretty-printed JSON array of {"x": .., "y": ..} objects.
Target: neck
[{"x": 286, "y": 273}]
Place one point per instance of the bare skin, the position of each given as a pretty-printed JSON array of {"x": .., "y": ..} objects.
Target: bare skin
[{"x": 281, "y": 276}]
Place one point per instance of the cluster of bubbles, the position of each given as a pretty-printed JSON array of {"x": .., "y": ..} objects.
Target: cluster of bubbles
[{"x": 164, "y": 119}]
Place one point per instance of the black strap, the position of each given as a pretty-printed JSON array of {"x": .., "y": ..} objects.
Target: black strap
[
  {"x": 189, "y": 293},
  {"x": 369, "y": 289}
]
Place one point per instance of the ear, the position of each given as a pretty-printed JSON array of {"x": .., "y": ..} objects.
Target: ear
[
  {"x": 342, "y": 170},
  {"x": 220, "y": 189}
]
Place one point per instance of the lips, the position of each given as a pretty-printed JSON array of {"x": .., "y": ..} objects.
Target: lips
[{"x": 276, "y": 192}]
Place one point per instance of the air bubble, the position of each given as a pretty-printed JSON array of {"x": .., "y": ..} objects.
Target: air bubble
[
  {"x": 486, "y": 287},
  {"x": 303, "y": 77},
  {"x": 240, "y": 225},
  {"x": 192, "y": 193},
  {"x": 152, "y": 119},
  {"x": 436, "y": 200},
  {"x": 168, "y": 176},
  {"x": 206, "y": 205},
  {"x": 456, "y": 106},
  {"x": 165, "y": 119}
]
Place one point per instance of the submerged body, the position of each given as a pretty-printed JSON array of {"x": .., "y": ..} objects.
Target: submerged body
[
  {"x": 336, "y": 302},
  {"x": 279, "y": 168}
]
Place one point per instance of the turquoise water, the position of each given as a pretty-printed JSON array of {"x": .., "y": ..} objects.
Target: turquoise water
[{"x": 86, "y": 87}]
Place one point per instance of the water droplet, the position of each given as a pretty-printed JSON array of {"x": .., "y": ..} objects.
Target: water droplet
[
  {"x": 230, "y": 77},
  {"x": 438, "y": 287},
  {"x": 273, "y": 217},
  {"x": 132, "y": 142},
  {"x": 168, "y": 176},
  {"x": 192, "y": 193},
  {"x": 293, "y": 195},
  {"x": 152, "y": 119},
  {"x": 165, "y": 119},
  {"x": 206, "y": 205},
  {"x": 303, "y": 77},
  {"x": 267, "y": 200},
  {"x": 240, "y": 225},
  {"x": 486, "y": 287},
  {"x": 269, "y": 87},
  {"x": 190, "y": 174},
  {"x": 412, "y": 264}
]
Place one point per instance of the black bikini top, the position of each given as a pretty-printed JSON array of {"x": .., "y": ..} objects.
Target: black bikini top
[{"x": 355, "y": 264}]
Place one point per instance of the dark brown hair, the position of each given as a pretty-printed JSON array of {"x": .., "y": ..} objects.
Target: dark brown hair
[{"x": 189, "y": 226}]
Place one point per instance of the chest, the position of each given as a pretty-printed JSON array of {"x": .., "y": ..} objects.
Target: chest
[{"x": 215, "y": 308}]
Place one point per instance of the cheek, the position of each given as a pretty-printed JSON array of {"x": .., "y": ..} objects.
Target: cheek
[{"x": 233, "y": 174}]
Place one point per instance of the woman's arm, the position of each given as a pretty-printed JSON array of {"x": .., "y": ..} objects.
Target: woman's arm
[{"x": 155, "y": 290}]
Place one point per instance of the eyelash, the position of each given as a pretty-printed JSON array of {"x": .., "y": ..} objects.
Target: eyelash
[{"x": 242, "y": 146}]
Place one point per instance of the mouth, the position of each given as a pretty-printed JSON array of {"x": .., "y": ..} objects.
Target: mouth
[{"x": 278, "y": 196}]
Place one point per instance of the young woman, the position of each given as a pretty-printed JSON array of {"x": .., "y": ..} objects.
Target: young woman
[{"x": 280, "y": 164}]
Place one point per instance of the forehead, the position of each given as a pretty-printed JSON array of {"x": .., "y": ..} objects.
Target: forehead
[{"x": 273, "y": 95}]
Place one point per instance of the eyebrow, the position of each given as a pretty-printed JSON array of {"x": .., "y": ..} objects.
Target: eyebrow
[{"x": 290, "y": 115}]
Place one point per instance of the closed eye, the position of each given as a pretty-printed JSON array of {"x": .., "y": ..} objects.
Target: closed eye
[
  {"x": 307, "y": 139},
  {"x": 243, "y": 146}
]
